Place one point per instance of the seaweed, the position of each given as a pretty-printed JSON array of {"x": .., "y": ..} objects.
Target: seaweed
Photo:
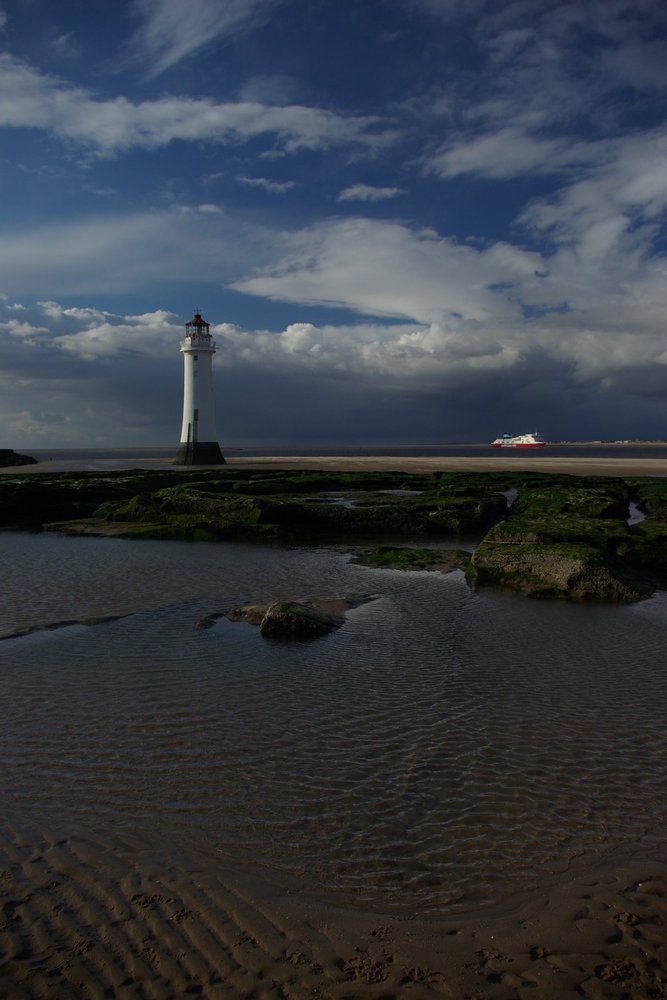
[{"x": 555, "y": 519}]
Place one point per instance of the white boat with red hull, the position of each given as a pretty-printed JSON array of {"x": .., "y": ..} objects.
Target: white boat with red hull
[{"x": 534, "y": 440}]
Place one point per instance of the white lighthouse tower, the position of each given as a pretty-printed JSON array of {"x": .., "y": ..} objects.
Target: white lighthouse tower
[{"x": 199, "y": 445}]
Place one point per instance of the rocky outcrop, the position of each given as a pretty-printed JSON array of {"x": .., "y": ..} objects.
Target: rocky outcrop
[
  {"x": 560, "y": 536},
  {"x": 565, "y": 539},
  {"x": 292, "y": 620},
  {"x": 307, "y": 619},
  {"x": 575, "y": 572},
  {"x": 9, "y": 458}
]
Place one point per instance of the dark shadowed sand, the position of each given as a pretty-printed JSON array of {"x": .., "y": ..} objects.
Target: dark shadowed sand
[{"x": 94, "y": 915}]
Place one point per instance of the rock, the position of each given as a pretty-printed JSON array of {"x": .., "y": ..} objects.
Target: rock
[
  {"x": 207, "y": 622},
  {"x": 251, "y": 613},
  {"x": 304, "y": 619},
  {"x": 575, "y": 572},
  {"x": 9, "y": 458},
  {"x": 291, "y": 620}
]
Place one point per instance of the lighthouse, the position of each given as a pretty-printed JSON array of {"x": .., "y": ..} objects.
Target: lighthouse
[{"x": 199, "y": 445}]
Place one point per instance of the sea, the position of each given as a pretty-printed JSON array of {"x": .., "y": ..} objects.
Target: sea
[{"x": 444, "y": 748}]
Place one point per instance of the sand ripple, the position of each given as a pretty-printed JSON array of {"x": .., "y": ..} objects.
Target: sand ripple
[{"x": 90, "y": 915}]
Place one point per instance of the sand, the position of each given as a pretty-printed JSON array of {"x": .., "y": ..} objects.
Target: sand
[
  {"x": 493, "y": 462},
  {"x": 95, "y": 914}
]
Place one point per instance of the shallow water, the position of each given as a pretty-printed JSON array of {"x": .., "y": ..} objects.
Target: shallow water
[{"x": 442, "y": 747}]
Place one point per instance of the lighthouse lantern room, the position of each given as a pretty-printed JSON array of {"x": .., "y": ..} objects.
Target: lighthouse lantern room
[{"x": 198, "y": 445}]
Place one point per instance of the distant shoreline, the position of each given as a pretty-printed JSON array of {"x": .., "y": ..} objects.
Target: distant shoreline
[
  {"x": 575, "y": 458},
  {"x": 340, "y": 448}
]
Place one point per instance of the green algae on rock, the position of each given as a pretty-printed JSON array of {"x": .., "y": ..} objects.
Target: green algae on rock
[
  {"x": 564, "y": 539},
  {"x": 562, "y": 536},
  {"x": 408, "y": 558},
  {"x": 303, "y": 619},
  {"x": 224, "y": 504},
  {"x": 576, "y": 572}
]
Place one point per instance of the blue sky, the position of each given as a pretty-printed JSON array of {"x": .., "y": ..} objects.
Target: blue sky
[{"x": 407, "y": 221}]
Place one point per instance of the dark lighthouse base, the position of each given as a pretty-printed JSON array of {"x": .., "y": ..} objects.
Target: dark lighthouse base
[{"x": 199, "y": 453}]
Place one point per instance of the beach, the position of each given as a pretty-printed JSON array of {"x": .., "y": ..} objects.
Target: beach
[
  {"x": 573, "y": 463},
  {"x": 105, "y": 904},
  {"x": 88, "y": 915}
]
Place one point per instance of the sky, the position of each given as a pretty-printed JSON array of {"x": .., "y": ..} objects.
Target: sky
[{"x": 407, "y": 221}]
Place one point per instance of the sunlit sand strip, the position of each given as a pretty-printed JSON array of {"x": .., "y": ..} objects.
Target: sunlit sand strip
[
  {"x": 516, "y": 462},
  {"x": 491, "y": 463},
  {"x": 95, "y": 915}
]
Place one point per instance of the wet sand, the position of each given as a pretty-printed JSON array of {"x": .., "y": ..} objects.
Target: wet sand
[{"x": 97, "y": 915}]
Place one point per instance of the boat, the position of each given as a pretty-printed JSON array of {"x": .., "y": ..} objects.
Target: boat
[{"x": 534, "y": 440}]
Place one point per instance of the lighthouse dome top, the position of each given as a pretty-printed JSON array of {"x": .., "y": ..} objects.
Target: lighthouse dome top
[{"x": 198, "y": 323}]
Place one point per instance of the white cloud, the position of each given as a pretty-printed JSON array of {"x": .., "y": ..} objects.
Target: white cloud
[
  {"x": 274, "y": 187},
  {"x": 29, "y": 99},
  {"x": 422, "y": 357},
  {"x": 616, "y": 203},
  {"x": 596, "y": 304},
  {"x": 143, "y": 337},
  {"x": 473, "y": 309},
  {"x": 598, "y": 232},
  {"x": 87, "y": 333},
  {"x": 510, "y": 152},
  {"x": 403, "y": 354},
  {"x": 23, "y": 330},
  {"x": 543, "y": 83},
  {"x": 65, "y": 46},
  {"x": 73, "y": 340},
  {"x": 365, "y": 192},
  {"x": 387, "y": 269},
  {"x": 171, "y": 30},
  {"x": 54, "y": 312}
]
